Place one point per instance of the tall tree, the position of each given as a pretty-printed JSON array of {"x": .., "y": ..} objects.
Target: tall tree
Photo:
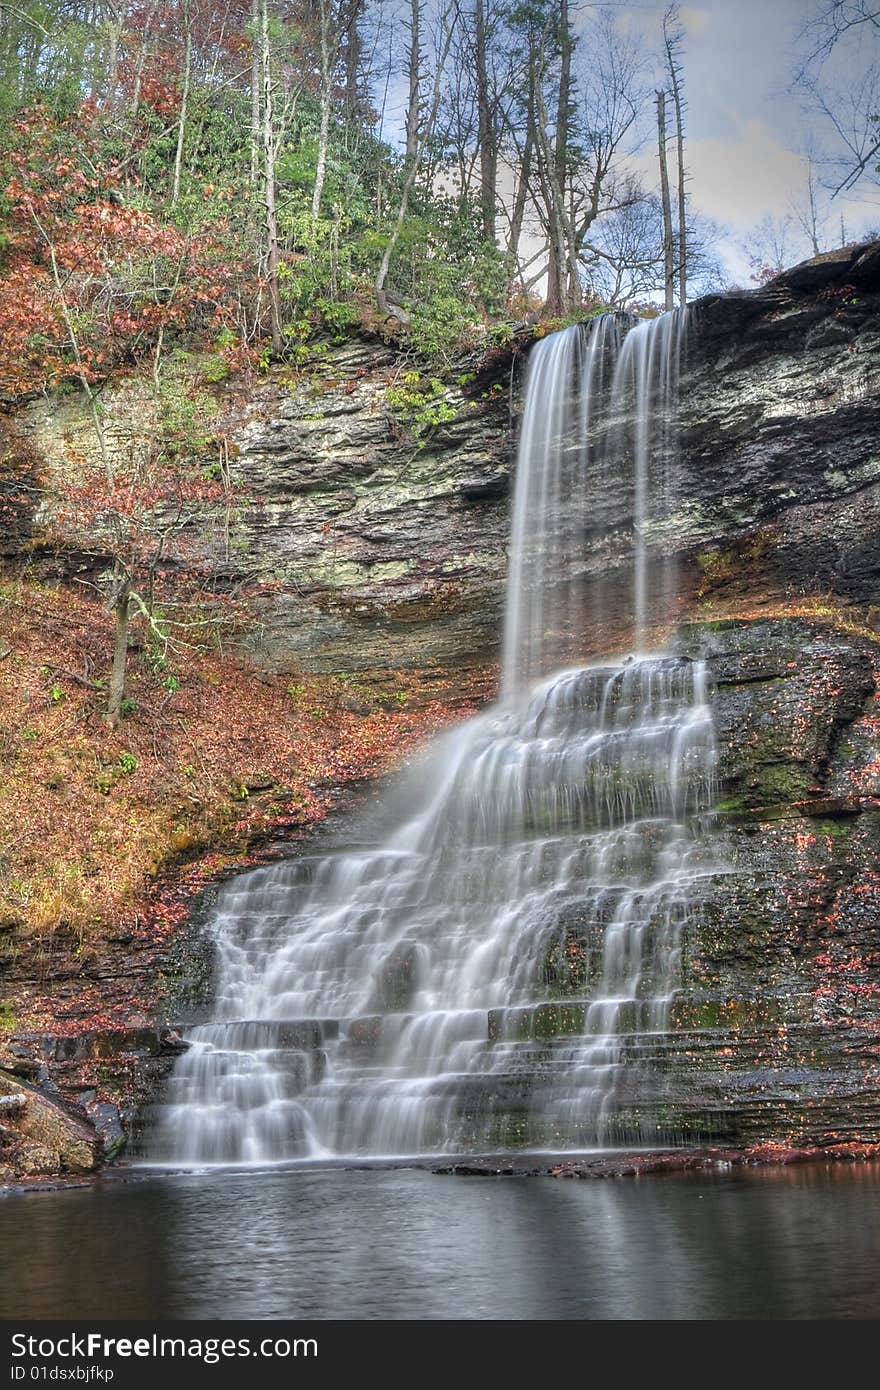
[
  {"x": 553, "y": 146},
  {"x": 270, "y": 162},
  {"x": 673, "y": 38},
  {"x": 419, "y": 132},
  {"x": 338, "y": 20},
  {"x": 256, "y": 88},
  {"x": 186, "y": 16},
  {"x": 668, "y": 235}
]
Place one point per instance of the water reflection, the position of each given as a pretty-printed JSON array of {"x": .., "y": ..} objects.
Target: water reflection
[{"x": 790, "y": 1243}]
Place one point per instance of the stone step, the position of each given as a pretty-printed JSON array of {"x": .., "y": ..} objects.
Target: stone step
[
  {"x": 93, "y": 1044},
  {"x": 697, "y": 1012},
  {"x": 694, "y": 1022},
  {"x": 256, "y": 1034}
]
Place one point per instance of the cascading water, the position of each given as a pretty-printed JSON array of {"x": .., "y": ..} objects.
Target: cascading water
[{"x": 492, "y": 974}]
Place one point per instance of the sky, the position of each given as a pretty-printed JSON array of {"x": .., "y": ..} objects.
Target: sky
[{"x": 746, "y": 129}]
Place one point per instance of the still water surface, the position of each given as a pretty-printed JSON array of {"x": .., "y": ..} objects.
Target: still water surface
[{"x": 795, "y": 1243}]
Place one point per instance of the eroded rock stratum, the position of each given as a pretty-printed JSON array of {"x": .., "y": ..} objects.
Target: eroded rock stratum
[{"x": 388, "y": 549}]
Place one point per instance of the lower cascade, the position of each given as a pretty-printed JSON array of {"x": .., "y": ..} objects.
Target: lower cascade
[{"x": 500, "y": 971}]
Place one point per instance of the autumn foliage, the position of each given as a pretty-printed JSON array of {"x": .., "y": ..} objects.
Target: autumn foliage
[
  {"x": 211, "y": 760},
  {"x": 91, "y": 277}
]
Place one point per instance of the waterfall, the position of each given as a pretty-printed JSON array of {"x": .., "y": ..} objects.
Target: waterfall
[{"x": 498, "y": 971}]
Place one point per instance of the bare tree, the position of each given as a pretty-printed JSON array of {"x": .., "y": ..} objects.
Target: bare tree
[
  {"x": 810, "y": 209},
  {"x": 673, "y": 37},
  {"x": 838, "y": 76},
  {"x": 614, "y": 92},
  {"x": 419, "y": 132},
  {"x": 624, "y": 261},
  {"x": 770, "y": 246},
  {"x": 668, "y": 243}
]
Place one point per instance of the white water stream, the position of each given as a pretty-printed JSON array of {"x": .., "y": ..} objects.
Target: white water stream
[{"x": 483, "y": 978}]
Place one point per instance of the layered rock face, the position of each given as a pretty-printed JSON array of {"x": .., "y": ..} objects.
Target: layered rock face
[
  {"x": 777, "y": 1026},
  {"x": 781, "y": 433},
  {"x": 791, "y": 936},
  {"x": 386, "y": 549},
  {"x": 391, "y": 551}
]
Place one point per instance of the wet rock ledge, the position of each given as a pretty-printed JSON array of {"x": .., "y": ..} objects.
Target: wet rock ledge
[
  {"x": 777, "y": 1026},
  {"x": 68, "y": 1103}
]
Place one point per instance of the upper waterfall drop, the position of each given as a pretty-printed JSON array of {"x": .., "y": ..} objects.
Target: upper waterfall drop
[
  {"x": 493, "y": 973},
  {"x": 600, "y": 412},
  {"x": 560, "y": 439}
]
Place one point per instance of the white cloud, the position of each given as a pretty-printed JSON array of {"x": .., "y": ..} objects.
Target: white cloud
[
  {"x": 694, "y": 21},
  {"x": 738, "y": 180}
]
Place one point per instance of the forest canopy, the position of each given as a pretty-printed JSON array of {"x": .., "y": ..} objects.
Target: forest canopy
[{"x": 244, "y": 174}]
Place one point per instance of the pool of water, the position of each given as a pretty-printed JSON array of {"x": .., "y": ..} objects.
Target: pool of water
[{"x": 802, "y": 1242}]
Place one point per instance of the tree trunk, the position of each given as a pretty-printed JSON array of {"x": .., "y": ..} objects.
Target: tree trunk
[
  {"x": 114, "y": 33},
  {"x": 323, "y": 141},
  {"x": 517, "y": 216},
  {"x": 674, "y": 72},
  {"x": 184, "y": 104},
  {"x": 486, "y": 134},
  {"x": 353, "y": 62},
  {"x": 272, "y": 249},
  {"x": 563, "y": 105},
  {"x": 668, "y": 251},
  {"x": 414, "y": 67},
  {"x": 327, "y": 59},
  {"x": 682, "y": 207},
  {"x": 556, "y": 268},
  {"x": 813, "y": 211},
  {"x": 561, "y": 268},
  {"x": 121, "y": 609},
  {"x": 255, "y": 95}
]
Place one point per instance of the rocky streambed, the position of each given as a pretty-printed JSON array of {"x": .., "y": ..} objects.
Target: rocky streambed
[{"x": 774, "y": 1037}]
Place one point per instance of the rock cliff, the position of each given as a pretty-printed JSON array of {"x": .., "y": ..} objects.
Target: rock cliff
[
  {"x": 776, "y": 1029},
  {"x": 384, "y": 548},
  {"x": 379, "y": 548},
  {"x": 392, "y": 550}
]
